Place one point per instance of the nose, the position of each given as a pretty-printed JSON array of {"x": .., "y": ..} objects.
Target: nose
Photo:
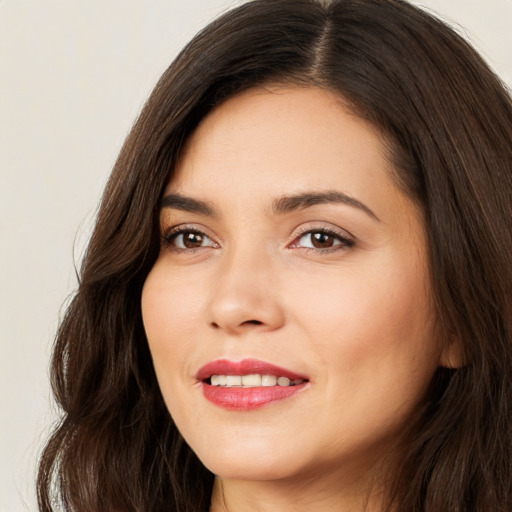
[{"x": 246, "y": 294}]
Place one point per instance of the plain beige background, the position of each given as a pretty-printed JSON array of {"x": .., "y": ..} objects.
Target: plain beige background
[{"x": 74, "y": 74}]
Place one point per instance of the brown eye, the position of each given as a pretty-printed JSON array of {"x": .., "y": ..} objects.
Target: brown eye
[
  {"x": 190, "y": 240},
  {"x": 323, "y": 240}
]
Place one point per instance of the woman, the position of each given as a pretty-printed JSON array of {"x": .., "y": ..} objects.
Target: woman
[{"x": 299, "y": 280}]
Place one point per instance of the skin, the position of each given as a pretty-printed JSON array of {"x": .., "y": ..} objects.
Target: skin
[{"x": 356, "y": 317}]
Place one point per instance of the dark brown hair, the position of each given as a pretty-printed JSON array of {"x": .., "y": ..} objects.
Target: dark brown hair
[{"x": 448, "y": 120}]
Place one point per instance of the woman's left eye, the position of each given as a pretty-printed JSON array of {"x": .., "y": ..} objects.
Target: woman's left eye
[{"x": 322, "y": 239}]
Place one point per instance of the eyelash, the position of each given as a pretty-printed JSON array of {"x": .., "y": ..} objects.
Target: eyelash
[
  {"x": 345, "y": 242},
  {"x": 169, "y": 238}
]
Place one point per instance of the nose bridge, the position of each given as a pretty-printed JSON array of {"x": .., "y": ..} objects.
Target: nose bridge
[{"x": 245, "y": 294}]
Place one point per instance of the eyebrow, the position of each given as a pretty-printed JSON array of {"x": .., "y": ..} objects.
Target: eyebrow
[
  {"x": 282, "y": 205},
  {"x": 188, "y": 204},
  {"x": 287, "y": 204}
]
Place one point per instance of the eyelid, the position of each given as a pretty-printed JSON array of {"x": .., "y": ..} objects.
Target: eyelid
[
  {"x": 346, "y": 239},
  {"x": 170, "y": 234}
]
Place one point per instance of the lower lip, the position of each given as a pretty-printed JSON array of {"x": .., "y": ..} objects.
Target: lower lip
[{"x": 245, "y": 399}]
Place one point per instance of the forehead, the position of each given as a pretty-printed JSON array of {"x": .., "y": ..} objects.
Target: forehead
[{"x": 285, "y": 140}]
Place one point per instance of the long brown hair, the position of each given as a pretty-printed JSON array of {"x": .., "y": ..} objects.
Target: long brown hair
[{"x": 448, "y": 121}]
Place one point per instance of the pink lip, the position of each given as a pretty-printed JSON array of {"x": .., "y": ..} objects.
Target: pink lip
[{"x": 244, "y": 399}]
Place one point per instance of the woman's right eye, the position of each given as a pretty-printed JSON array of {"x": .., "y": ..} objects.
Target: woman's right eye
[{"x": 186, "y": 239}]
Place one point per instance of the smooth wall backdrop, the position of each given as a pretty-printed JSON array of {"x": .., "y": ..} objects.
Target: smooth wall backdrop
[{"x": 74, "y": 75}]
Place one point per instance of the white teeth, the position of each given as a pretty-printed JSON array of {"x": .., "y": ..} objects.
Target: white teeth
[
  {"x": 252, "y": 381},
  {"x": 233, "y": 380},
  {"x": 268, "y": 380}
]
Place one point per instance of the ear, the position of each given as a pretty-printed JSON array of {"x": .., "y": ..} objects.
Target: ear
[{"x": 452, "y": 355}]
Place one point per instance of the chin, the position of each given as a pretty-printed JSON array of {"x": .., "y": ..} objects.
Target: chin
[
  {"x": 254, "y": 459},
  {"x": 248, "y": 469}
]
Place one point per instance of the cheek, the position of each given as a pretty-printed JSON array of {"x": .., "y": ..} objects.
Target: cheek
[
  {"x": 170, "y": 315},
  {"x": 170, "y": 304},
  {"x": 377, "y": 323}
]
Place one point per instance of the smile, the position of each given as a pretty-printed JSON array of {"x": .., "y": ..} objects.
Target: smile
[
  {"x": 248, "y": 384},
  {"x": 252, "y": 381}
]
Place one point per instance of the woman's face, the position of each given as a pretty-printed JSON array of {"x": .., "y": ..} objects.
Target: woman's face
[{"x": 290, "y": 257}]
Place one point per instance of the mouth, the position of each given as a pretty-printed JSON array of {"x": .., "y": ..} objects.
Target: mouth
[
  {"x": 252, "y": 381},
  {"x": 248, "y": 384}
]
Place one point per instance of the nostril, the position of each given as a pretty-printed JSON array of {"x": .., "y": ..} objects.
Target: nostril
[
  {"x": 215, "y": 325},
  {"x": 253, "y": 322}
]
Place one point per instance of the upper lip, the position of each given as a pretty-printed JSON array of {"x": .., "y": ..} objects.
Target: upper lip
[{"x": 245, "y": 367}]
